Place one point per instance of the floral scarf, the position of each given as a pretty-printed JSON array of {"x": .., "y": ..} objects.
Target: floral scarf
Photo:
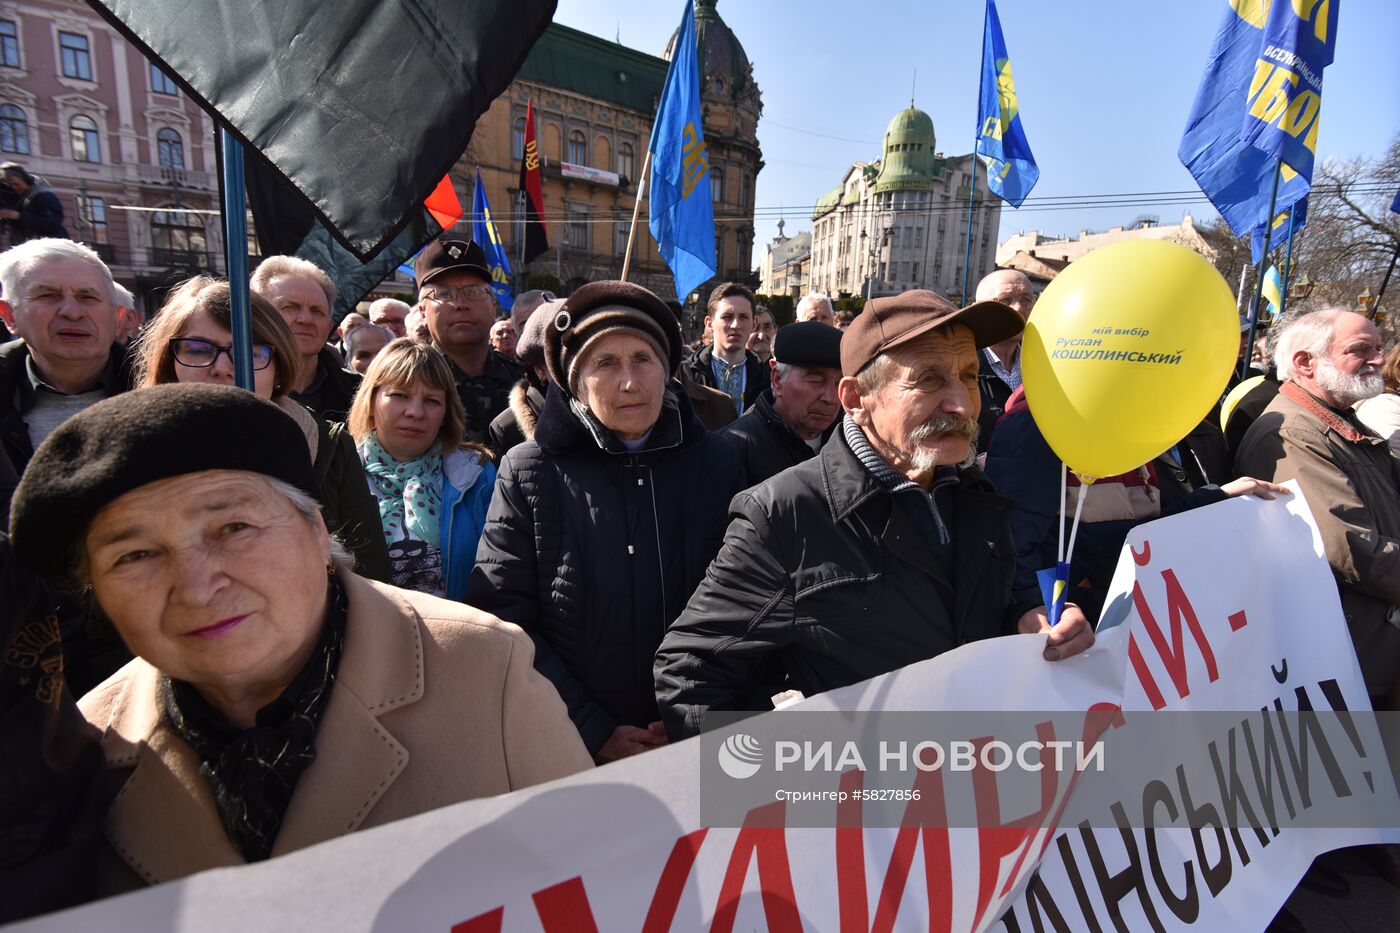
[{"x": 409, "y": 492}]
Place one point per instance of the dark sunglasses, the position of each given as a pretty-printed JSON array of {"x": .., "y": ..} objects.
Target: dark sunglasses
[{"x": 191, "y": 351}]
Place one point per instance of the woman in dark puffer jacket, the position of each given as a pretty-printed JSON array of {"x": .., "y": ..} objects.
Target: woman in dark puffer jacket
[{"x": 604, "y": 523}]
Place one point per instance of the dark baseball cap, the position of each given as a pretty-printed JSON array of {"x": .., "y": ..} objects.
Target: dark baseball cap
[
  {"x": 888, "y": 322},
  {"x": 441, "y": 256}
]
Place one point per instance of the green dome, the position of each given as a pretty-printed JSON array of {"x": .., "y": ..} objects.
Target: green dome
[{"x": 908, "y": 160}]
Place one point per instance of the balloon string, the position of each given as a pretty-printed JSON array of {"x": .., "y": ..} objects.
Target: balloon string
[
  {"x": 1074, "y": 529},
  {"x": 1064, "y": 482}
]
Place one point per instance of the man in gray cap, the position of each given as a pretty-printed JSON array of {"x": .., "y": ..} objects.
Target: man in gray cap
[
  {"x": 798, "y": 412},
  {"x": 891, "y": 514}
]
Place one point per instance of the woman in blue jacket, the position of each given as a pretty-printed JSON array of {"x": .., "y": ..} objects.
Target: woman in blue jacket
[{"x": 433, "y": 489}]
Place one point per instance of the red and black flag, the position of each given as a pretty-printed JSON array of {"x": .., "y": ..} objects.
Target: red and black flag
[
  {"x": 350, "y": 112},
  {"x": 536, "y": 237}
]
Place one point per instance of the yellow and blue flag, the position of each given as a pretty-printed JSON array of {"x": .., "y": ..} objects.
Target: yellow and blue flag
[
  {"x": 682, "y": 216},
  {"x": 1284, "y": 105},
  {"x": 1240, "y": 79},
  {"x": 1273, "y": 289},
  {"x": 484, "y": 232},
  {"x": 1001, "y": 137}
]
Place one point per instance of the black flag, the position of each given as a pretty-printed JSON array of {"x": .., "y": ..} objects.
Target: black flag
[{"x": 362, "y": 105}]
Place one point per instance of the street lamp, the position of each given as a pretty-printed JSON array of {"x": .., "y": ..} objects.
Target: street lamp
[{"x": 1300, "y": 288}]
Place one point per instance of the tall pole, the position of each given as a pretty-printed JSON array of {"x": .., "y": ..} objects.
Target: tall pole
[
  {"x": 1386, "y": 281},
  {"x": 1263, "y": 265},
  {"x": 971, "y": 201},
  {"x": 1287, "y": 264},
  {"x": 236, "y": 257},
  {"x": 636, "y": 212},
  {"x": 520, "y": 266}
]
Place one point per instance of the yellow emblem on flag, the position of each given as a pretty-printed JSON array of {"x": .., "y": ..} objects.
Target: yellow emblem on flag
[{"x": 1006, "y": 93}]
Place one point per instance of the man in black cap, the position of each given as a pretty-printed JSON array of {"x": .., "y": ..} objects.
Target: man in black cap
[
  {"x": 887, "y": 548},
  {"x": 793, "y": 418},
  {"x": 456, "y": 299}
]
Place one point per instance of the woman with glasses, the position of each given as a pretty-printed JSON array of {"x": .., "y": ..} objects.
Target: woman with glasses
[
  {"x": 433, "y": 487},
  {"x": 190, "y": 341}
]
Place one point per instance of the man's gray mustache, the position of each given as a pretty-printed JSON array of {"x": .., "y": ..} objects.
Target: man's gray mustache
[{"x": 944, "y": 424}]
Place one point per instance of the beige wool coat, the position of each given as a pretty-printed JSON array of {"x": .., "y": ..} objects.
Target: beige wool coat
[{"x": 435, "y": 703}]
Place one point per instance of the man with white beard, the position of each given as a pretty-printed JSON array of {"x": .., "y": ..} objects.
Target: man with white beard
[{"x": 1328, "y": 361}]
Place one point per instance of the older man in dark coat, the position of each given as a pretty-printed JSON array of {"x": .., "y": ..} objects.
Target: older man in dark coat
[
  {"x": 888, "y": 548},
  {"x": 796, "y": 415}
]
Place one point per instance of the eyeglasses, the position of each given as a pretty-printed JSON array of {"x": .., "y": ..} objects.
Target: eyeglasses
[
  {"x": 456, "y": 294},
  {"x": 193, "y": 352}
]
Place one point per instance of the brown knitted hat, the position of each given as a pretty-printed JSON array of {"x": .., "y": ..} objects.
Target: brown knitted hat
[{"x": 608, "y": 306}]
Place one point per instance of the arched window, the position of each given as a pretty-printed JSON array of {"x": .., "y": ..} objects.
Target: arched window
[
  {"x": 177, "y": 237},
  {"x": 517, "y": 140},
  {"x": 14, "y": 129},
  {"x": 82, "y": 134},
  {"x": 717, "y": 184},
  {"x": 170, "y": 151},
  {"x": 627, "y": 161},
  {"x": 578, "y": 148}
]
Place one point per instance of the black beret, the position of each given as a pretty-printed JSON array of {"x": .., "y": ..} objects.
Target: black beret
[
  {"x": 127, "y": 441},
  {"x": 441, "y": 256},
  {"x": 808, "y": 343},
  {"x": 602, "y": 305}
]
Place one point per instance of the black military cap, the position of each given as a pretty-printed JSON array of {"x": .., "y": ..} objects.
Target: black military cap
[
  {"x": 808, "y": 343},
  {"x": 441, "y": 256}
]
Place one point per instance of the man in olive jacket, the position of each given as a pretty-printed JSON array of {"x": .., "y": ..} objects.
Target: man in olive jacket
[
  {"x": 1328, "y": 361},
  {"x": 886, "y": 549}
]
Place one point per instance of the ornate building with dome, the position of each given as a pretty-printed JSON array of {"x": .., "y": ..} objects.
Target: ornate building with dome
[
  {"x": 901, "y": 222},
  {"x": 594, "y": 102}
]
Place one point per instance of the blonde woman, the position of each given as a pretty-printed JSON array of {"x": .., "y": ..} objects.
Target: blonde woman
[
  {"x": 190, "y": 341},
  {"x": 433, "y": 488}
]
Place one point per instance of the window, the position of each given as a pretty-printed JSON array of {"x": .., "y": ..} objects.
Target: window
[
  {"x": 916, "y": 273},
  {"x": 92, "y": 219},
  {"x": 719, "y": 251},
  {"x": 175, "y": 235},
  {"x": 14, "y": 129},
  {"x": 578, "y": 148},
  {"x": 576, "y": 229},
  {"x": 82, "y": 134},
  {"x": 161, "y": 83},
  {"x": 717, "y": 184},
  {"x": 74, "y": 57},
  {"x": 623, "y": 226},
  {"x": 627, "y": 161},
  {"x": 170, "y": 151},
  {"x": 517, "y": 139},
  {"x": 9, "y": 43}
]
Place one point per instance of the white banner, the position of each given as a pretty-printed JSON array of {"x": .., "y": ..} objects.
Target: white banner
[
  {"x": 587, "y": 173},
  {"x": 1226, "y": 608}
]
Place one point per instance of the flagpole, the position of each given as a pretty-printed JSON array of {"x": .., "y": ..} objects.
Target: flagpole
[
  {"x": 1263, "y": 264},
  {"x": 524, "y": 231},
  {"x": 236, "y": 257},
  {"x": 636, "y": 211},
  {"x": 1287, "y": 263}
]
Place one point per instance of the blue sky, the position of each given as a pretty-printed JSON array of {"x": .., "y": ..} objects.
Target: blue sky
[{"x": 1104, "y": 88}]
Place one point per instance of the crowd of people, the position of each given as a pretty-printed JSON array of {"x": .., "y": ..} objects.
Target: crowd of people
[{"x": 448, "y": 550}]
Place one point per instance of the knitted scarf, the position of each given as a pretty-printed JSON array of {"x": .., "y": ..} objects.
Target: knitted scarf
[{"x": 409, "y": 492}]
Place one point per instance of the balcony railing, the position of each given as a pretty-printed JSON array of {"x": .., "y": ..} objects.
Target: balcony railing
[
  {"x": 179, "y": 258},
  {"x": 166, "y": 176}
]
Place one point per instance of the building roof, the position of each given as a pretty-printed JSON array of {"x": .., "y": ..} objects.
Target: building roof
[
  {"x": 721, "y": 53},
  {"x": 593, "y": 67},
  {"x": 908, "y": 160}
]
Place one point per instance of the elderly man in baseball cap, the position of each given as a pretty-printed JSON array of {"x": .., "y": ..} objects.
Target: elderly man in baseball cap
[{"x": 887, "y": 548}]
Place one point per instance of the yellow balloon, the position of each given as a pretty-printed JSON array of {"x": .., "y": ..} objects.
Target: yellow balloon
[
  {"x": 1126, "y": 352},
  {"x": 1227, "y": 407}
]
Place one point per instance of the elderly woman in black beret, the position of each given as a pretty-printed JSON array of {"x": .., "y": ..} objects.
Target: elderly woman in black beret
[
  {"x": 604, "y": 522},
  {"x": 277, "y": 699}
]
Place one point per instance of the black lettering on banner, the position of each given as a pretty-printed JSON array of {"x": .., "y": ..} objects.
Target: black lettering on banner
[
  {"x": 1116, "y": 887},
  {"x": 1076, "y": 880},
  {"x": 1265, "y": 783},
  {"x": 1037, "y": 896},
  {"x": 1216, "y": 876},
  {"x": 1298, "y": 757},
  {"x": 1188, "y": 906},
  {"x": 1234, "y": 799},
  {"x": 1333, "y": 692}
]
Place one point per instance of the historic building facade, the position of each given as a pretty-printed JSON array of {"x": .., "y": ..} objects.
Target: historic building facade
[
  {"x": 901, "y": 222},
  {"x": 594, "y": 101},
  {"x": 130, "y": 157},
  {"x": 787, "y": 264}
]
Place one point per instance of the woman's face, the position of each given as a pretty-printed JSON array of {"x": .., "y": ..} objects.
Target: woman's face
[
  {"x": 201, "y": 327},
  {"x": 622, "y": 382},
  {"x": 408, "y": 419},
  {"x": 213, "y": 578}
]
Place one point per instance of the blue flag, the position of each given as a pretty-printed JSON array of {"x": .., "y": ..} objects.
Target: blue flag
[
  {"x": 1298, "y": 214},
  {"x": 1001, "y": 137},
  {"x": 1284, "y": 103},
  {"x": 682, "y": 215},
  {"x": 1236, "y": 176},
  {"x": 484, "y": 232}
]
